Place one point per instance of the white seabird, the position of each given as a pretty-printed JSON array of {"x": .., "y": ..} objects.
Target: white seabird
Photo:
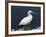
[{"x": 27, "y": 20}]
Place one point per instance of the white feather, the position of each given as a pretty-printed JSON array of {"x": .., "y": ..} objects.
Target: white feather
[{"x": 26, "y": 20}]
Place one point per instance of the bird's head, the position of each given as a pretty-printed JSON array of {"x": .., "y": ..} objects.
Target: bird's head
[{"x": 30, "y": 12}]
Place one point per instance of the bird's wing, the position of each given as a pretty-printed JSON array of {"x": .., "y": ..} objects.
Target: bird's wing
[
  {"x": 25, "y": 21},
  {"x": 22, "y": 21}
]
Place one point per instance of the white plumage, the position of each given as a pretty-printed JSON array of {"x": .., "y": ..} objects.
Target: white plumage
[{"x": 26, "y": 20}]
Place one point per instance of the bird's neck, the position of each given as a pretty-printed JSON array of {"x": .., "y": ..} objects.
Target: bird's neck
[{"x": 29, "y": 15}]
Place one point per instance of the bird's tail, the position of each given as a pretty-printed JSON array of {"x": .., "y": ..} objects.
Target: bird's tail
[{"x": 19, "y": 23}]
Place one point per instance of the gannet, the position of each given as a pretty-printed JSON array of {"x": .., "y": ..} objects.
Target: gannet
[{"x": 26, "y": 20}]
